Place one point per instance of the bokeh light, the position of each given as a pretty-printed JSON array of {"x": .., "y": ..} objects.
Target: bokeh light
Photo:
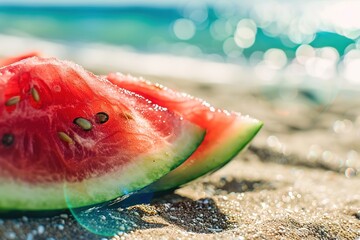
[
  {"x": 352, "y": 66},
  {"x": 184, "y": 29},
  {"x": 245, "y": 33},
  {"x": 275, "y": 58}
]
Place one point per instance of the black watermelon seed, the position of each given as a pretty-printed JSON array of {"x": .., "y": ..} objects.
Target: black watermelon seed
[
  {"x": 7, "y": 139},
  {"x": 101, "y": 117}
]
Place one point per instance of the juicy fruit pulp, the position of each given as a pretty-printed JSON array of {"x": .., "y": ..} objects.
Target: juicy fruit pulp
[
  {"x": 227, "y": 133},
  {"x": 61, "y": 125}
]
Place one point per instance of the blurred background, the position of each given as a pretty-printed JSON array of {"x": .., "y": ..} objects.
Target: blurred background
[{"x": 304, "y": 42}]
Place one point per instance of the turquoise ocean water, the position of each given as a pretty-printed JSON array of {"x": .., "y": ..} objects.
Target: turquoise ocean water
[
  {"x": 316, "y": 43},
  {"x": 151, "y": 29}
]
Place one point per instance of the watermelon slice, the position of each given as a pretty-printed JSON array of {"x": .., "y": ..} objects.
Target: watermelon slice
[
  {"x": 62, "y": 127},
  {"x": 10, "y": 60},
  {"x": 227, "y": 132}
]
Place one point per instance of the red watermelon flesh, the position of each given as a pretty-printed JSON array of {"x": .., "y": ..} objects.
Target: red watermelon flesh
[
  {"x": 61, "y": 125},
  {"x": 227, "y": 132}
]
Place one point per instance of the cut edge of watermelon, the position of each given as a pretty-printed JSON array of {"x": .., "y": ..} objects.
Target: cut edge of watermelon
[
  {"x": 137, "y": 174},
  {"x": 235, "y": 137}
]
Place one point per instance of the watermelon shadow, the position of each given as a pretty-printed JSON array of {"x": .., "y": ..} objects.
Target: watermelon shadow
[
  {"x": 135, "y": 212},
  {"x": 119, "y": 216},
  {"x": 200, "y": 216}
]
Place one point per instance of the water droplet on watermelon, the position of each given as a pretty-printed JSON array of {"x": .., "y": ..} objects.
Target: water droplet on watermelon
[{"x": 57, "y": 88}]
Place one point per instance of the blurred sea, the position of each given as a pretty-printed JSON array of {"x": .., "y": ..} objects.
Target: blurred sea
[
  {"x": 206, "y": 27},
  {"x": 304, "y": 42}
]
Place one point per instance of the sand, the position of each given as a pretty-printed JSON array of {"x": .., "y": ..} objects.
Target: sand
[{"x": 299, "y": 179}]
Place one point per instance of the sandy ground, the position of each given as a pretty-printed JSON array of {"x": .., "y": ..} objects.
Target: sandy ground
[{"x": 300, "y": 179}]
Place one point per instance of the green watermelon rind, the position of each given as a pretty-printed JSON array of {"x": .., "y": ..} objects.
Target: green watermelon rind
[
  {"x": 232, "y": 141},
  {"x": 133, "y": 176}
]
